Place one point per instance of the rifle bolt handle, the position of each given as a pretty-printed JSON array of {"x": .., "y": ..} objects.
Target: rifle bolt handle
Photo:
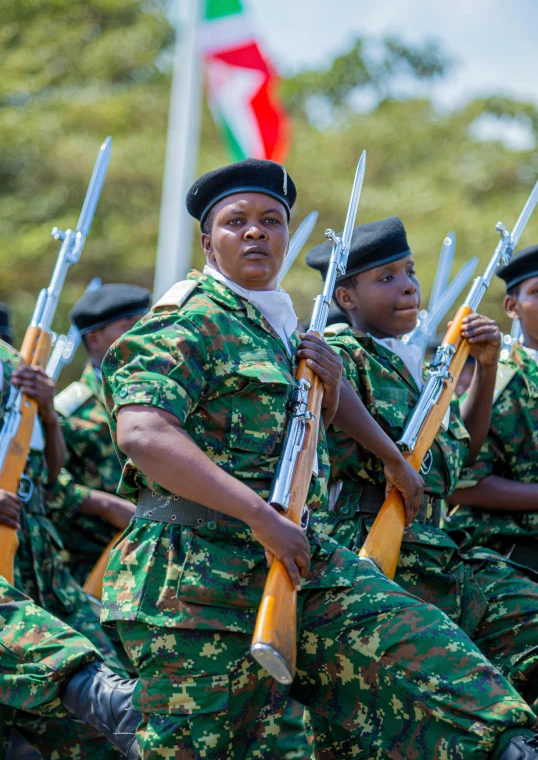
[{"x": 57, "y": 233}]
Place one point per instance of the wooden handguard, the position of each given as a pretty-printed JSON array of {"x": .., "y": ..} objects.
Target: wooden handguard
[
  {"x": 94, "y": 582},
  {"x": 35, "y": 350},
  {"x": 384, "y": 540},
  {"x": 276, "y": 624}
]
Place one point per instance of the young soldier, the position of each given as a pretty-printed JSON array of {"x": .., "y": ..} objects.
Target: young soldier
[
  {"x": 498, "y": 495},
  {"x": 39, "y": 570},
  {"x": 488, "y": 598},
  {"x": 197, "y": 396},
  {"x": 49, "y": 669},
  {"x": 92, "y": 470}
]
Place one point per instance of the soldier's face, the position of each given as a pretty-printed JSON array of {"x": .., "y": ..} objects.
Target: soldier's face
[
  {"x": 524, "y": 307},
  {"x": 383, "y": 301},
  {"x": 248, "y": 239}
]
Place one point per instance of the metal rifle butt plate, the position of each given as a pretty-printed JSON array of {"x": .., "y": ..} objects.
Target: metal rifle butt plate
[
  {"x": 371, "y": 561},
  {"x": 273, "y": 662}
]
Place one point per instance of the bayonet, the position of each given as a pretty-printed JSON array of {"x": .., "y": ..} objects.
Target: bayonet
[{"x": 302, "y": 233}]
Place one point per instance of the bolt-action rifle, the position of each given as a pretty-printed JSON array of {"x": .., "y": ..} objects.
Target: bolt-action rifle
[
  {"x": 274, "y": 641},
  {"x": 384, "y": 540},
  {"x": 21, "y": 410}
]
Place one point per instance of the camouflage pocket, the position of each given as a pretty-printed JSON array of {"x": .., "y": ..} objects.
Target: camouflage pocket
[
  {"x": 186, "y": 696},
  {"x": 223, "y": 567},
  {"x": 259, "y": 411}
]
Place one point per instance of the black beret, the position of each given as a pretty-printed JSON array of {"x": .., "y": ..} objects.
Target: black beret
[
  {"x": 5, "y": 328},
  {"x": 108, "y": 304},
  {"x": 523, "y": 266},
  {"x": 372, "y": 245},
  {"x": 253, "y": 175}
]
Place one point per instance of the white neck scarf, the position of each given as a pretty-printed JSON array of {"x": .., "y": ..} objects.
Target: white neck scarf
[
  {"x": 275, "y": 305},
  {"x": 410, "y": 355}
]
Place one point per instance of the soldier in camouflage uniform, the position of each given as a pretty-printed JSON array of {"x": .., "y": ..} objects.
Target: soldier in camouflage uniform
[
  {"x": 39, "y": 570},
  {"x": 45, "y": 666},
  {"x": 197, "y": 396},
  {"x": 89, "y": 481},
  {"x": 498, "y": 494},
  {"x": 493, "y": 602}
]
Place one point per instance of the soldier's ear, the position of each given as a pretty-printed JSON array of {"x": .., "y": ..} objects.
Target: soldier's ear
[
  {"x": 511, "y": 307},
  {"x": 207, "y": 246},
  {"x": 343, "y": 299}
]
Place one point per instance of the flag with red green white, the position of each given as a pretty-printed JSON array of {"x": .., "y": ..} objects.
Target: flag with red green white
[{"x": 241, "y": 84}]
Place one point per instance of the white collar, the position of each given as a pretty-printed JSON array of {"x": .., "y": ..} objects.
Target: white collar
[{"x": 409, "y": 354}]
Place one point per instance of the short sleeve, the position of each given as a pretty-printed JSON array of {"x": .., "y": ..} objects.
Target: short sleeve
[
  {"x": 65, "y": 496},
  {"x": 161, "y": 362},
  {"x": 488, "y": 462}
]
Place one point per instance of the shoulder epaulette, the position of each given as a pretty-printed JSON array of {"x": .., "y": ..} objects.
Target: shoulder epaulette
[
  {"x": 177, "y": 295},
  {"x": 71, "y": 398},
  {"x": 332, "y": 330},
  {"x": 504, "y": 375}
]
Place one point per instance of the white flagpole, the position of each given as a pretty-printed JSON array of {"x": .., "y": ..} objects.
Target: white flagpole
[{"x": 175, "y": 225}]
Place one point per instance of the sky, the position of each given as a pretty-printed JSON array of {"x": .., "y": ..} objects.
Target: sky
[{"x": 494, "y": 42}]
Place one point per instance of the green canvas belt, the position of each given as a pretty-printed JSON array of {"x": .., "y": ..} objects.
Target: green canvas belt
[
  {"x": 175, "y": 510},
  {"x": 372, "y": 498}
]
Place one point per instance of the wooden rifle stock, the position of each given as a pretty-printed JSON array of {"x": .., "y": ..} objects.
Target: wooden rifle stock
[
  {"x": 384, "y": 540},
  {"x": 35, "y": 351},
  {"x": 276, "y": 624},
  {"x": 94, "y": 582}
]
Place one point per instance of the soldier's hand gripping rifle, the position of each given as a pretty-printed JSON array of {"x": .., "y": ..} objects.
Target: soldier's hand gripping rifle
[
  {"x": 385, "y": 537},
  {"x": 21, "y": 410},
  {"x": 274, "y": 641}
]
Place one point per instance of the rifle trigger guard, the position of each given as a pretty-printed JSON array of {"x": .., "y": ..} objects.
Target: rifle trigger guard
[
  {"x": 427, "y": 462},
  {"x": 25, "y": 494}
]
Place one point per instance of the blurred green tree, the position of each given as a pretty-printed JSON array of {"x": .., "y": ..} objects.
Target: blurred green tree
[{"x": 74, "y": 71}]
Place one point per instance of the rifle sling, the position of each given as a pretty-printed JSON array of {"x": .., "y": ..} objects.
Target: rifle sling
[
  {"x": 175, "y": 510},
  {"x": 372, "y": 499}
]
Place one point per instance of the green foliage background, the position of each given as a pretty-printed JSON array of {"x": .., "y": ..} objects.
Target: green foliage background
[{"x": 74, "y": 71}]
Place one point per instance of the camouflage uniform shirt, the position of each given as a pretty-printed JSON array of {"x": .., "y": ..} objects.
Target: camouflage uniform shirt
[
  {"x": 390, "y": 393},
  {"x": 91, "y": 463},
  {"x": 510, "y": 451},
  {"x": 218, "y": 366}
]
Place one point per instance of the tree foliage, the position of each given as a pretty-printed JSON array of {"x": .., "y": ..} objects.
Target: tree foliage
[{"x": 74, "y": 71}]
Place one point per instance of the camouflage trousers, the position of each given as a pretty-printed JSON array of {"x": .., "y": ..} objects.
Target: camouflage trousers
[
  {"x": 393, "y": 674},
  {"x": 38, "y": 653},
  {"x": 292, "y": 743},
  {"x": 514, "y": 534}
]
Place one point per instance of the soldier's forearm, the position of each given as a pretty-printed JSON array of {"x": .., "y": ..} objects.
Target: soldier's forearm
[
  {"x": 115, "y": 510},
  {"x": 167, "y": 455},
  {"x": 476, "y": 411},
  {"x": 354, "y": 419},
  {"x": 495, "y": 494},
  {"x": 55, "y": 450}
]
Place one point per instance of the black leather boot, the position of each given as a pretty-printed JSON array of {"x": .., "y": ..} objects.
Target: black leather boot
[
  {"x": 521, "y": 748},
  {"x": 101, "y": 698}
]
